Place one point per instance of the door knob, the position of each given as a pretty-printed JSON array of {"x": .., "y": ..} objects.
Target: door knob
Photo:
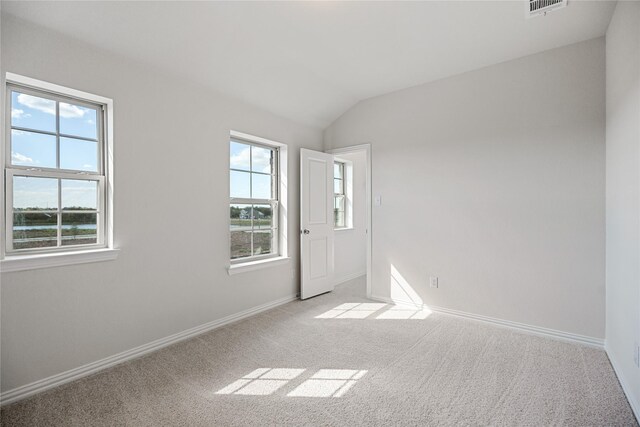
[{"x": 305, "y": 231}]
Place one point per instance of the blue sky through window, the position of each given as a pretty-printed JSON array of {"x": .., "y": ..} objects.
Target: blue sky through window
[
  {"x": 39, "y": 150},
  {"x": 33, "y": 112},
  {"x": 250, "y": 158},
  {"x": 33, "y": 149},
  {"x": 78, "y": 121}
]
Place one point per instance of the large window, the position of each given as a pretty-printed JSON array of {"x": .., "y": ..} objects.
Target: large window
[
  {"x": 55, "y": 173},
  {"x": 254, "y": 204},
  {"x": 339, "y": 195}
]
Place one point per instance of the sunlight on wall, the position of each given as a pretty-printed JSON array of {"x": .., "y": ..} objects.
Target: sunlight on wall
[
  {"x": 324, "y": 383},
  {"x": 408, "y": 304},
  {"x": 401, "y": 291}
]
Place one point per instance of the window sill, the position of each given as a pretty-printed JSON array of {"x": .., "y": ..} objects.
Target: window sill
[
  {"x": 344, "y": 229},
  {"x": 256, "y": 265},
  {"x": 32, "y": 262}
]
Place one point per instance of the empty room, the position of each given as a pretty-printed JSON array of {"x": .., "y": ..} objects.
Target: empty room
[{"x": 322, "y": 213}]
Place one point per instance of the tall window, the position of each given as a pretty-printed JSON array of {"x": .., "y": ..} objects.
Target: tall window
[
  {"x": 339, "y": 195},
  {"x": 55, "y": 172},
  {"x": 254, "y": 204}
]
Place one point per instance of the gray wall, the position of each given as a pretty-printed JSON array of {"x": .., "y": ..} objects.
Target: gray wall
[
  {"x": 623, "y": 194},
  {"x": 171, "y": 216},
  {"x": 494, "y": 181}
]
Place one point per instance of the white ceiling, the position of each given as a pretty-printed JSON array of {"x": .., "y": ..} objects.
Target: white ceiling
[{"x": 311, "y": 61}]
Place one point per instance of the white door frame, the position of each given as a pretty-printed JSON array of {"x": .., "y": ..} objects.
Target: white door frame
[{"x": 367, "y": 149}]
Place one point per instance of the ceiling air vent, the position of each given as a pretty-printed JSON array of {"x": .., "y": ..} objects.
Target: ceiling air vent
[{"x": 541, "y": 7}]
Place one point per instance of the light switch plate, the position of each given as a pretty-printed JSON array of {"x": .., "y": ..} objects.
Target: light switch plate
[{"x": 433, "y": 282}]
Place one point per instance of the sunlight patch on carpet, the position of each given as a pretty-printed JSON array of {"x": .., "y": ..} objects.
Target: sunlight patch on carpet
[{"x": 323, "y": 383}]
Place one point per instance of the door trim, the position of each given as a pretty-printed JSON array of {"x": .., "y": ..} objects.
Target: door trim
[{"x": 367, "y": 149}]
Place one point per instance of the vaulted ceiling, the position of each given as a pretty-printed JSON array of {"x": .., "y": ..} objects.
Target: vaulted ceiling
[{"x": 311, "y": 61}]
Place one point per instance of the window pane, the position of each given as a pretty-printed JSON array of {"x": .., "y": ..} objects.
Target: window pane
[
  {"x": 262, "y": 242},
  {"x": 240, "y": 244},
  {"x": 35, "y": 230},
  {"x": 240, "y": 156},
  {"x": 261, "y": 186},
  {"x": 337, "y": 186},
  {"x": 78, "y": 154},
  {"x": 261, "y": 159},
  {"x": 78, "y": 121},
  {"x": 262, "y": 216},
  {"x": 240, "y": 185},
  {"x": 33, "y": 149},
  {"x": 79, "y": 195},
  {"x": 79, "y": 228},
  {"x": 338, "y": 211},
  {"x": 337, "y": 170},
  {"x": 240, "y": 217},
  {"x": 33, "y": 112},
  {"x": 30, "y": 193}
]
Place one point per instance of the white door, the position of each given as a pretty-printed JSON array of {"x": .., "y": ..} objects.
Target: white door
[{"x": 316, "y": 222}]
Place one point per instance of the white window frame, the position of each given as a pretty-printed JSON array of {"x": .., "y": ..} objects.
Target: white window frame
[
  {"x": 340, "y": 195},
  {"x": 346, "y": 194},
  {"x": 22, "y": 259},
  {"x": 279, "y": 205}
]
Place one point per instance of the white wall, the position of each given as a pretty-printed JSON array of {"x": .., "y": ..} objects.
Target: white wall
[
  {"x": 494, "y": 181},
  {"x": 351, "y": 244},
  {"x": 623, "y": 195},
  {"x": 171, "y": 216}
]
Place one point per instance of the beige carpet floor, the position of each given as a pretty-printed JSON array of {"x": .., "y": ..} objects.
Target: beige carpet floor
[{"x": 340, "y": 360}]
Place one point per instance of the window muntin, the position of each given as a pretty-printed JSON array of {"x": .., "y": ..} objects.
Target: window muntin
[
  {"x": 339, "y": 195},
  {"x": 254, "y": 203},
  {"x": 55, "y": 182}
]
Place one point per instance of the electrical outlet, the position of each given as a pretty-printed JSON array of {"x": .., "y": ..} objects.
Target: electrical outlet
[
  {"x": 433, "y": 282},
  {"x": 636, "y": 354}
]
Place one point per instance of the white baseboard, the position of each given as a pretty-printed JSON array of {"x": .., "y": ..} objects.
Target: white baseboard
[
  {"x": 39, "y": 386},
  {"x": 523, "y": 327},
  {"x": 631, "y": 398},
  {"x": 349, "y": 277}
]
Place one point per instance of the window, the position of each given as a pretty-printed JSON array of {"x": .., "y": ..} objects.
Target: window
[
  {"x": 339, "y": 195},
  {"x": 55, "y": 170},
  {"x": 254, "y": 200}
]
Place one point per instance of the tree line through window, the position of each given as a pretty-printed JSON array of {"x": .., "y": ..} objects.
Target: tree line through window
[{"x": 253, "y": 210}]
